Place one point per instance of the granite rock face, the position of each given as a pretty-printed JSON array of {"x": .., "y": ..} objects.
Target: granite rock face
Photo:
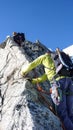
[{"x": 20, "y": 107}]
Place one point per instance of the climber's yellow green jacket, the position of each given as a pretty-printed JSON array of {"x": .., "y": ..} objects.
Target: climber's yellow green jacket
[
  {"x": 65, "y": 108},
  {"x": 48, "y": 64}
]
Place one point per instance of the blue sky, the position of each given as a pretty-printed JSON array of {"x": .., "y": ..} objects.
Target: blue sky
[{"x": 50, "y": 21}]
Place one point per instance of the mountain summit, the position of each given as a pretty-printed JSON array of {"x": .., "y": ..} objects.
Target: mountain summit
[{"x": 21, "y": 107}]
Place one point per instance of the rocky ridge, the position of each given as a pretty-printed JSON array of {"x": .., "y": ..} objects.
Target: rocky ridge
[{"x": 20, "y": 107}]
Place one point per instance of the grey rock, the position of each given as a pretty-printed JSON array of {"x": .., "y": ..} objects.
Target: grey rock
[{"x": 20, "y": 107}]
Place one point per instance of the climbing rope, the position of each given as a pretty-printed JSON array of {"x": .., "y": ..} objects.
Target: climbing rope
[
  {"x": 50, "y": 107},
  {"x": 39, "y": 88}
]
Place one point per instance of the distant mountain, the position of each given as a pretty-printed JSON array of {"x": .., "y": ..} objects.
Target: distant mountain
[{"x": 69, "y": 50}]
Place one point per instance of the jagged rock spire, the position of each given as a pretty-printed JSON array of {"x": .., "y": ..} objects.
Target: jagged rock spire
[{"x": 20, "y": 108}]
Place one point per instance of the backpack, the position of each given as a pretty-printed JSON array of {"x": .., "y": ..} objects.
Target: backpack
[{"x": 63, "y": 63}]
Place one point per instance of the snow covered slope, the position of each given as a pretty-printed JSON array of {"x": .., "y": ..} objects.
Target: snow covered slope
[{"x": 69, "y": 50}]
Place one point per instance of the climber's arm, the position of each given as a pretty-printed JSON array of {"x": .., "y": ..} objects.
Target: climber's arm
[
  {"x": 39, "y": 79},
  {"x": 32, "y": 65}
]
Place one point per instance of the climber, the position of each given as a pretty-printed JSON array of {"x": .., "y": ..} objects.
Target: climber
[
  {"x": 18, "y": 38},
  {"x": 64, "y": 106}
]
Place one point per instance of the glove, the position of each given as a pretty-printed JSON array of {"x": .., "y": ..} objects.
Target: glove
[
  {"x": 22, "y": 74},
  {"x": 55, "y": 95}
]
